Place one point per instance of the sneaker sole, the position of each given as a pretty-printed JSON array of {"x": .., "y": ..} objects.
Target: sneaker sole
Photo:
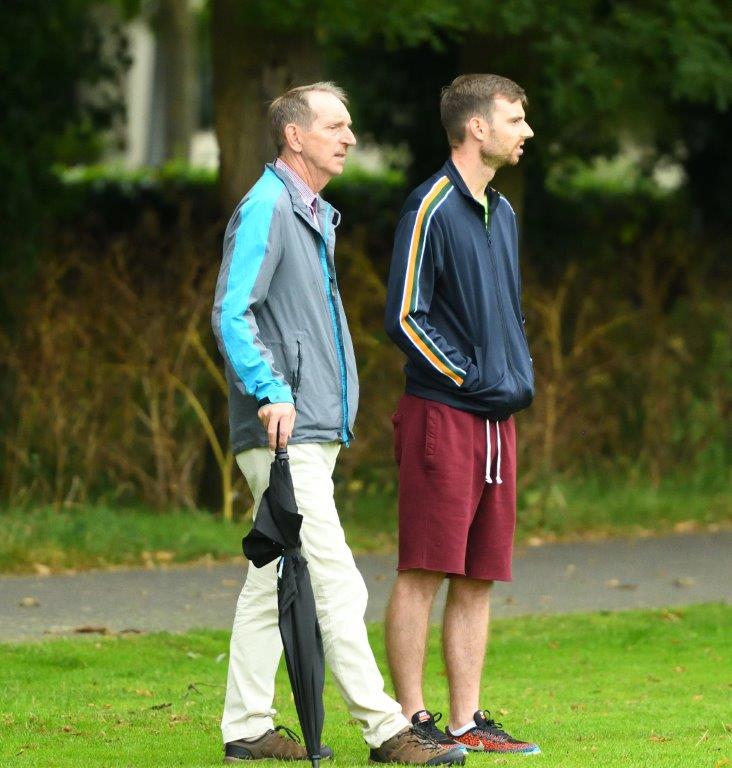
[
  {"x": 435, "y": 761},
  {"x": 481, "y": 748}
]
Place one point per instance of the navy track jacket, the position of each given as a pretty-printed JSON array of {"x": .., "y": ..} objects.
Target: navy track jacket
[{"x": 454, "y": 299}]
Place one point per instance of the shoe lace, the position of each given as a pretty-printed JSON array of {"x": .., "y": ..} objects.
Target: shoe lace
[
  {"x": 430, "y": 728},
  {"x": 492, "y": 727},
  {"x": 423, "y": 739},
  {"x": 292, "y": 735}
]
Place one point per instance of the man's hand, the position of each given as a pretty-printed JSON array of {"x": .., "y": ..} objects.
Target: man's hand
[{"x": 274, "y": 415}]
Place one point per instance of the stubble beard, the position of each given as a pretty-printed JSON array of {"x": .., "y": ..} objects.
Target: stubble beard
[{"x": 494, "y": 161}]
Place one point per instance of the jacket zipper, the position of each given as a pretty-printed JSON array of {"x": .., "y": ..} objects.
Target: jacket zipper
[
  {"x": 337, "y": 331},
  {"x": 500, "y": 304}
]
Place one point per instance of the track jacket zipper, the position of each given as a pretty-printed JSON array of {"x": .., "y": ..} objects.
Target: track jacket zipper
[{"x": 331, "y": 292}]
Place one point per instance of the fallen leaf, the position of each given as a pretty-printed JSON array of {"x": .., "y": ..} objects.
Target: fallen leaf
[
  {"x": 617, "y": 584},
  {"x": 671, "y": 616},
  {"x": 41, "y": 569},
  {"x": 570, "y": 570},
  {"x": 680, "y": 669},
  {"x": 143, "y": 692},
  {"x": 659, "y": 739},
  {"x": 221, "y": 657},
  {"x": 510, "y": 600},
  {"x": 29, "y": 602},
  {"x": 91, "y": 630},
  {"x": 193, "y": 655},
  {"x": 686, "y": 526},
  {"x": 164, "y": 556},
  {"x": 683, "y": 582},
  {"x": 697, "y": 697},
  {"x": 162, "y": 706},
  {"x": 535, "y": 541},
  {"x": 230, "y": 583}
]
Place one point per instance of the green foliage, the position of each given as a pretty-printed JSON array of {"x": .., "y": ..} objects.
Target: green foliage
[
  {"x": 102, "y": 536},
  {"x": 53, "y": 61},
  {"x": 627, "y": 323},
  {"x": 81, "y": 536},
  {"x": 636, "y": 688}
]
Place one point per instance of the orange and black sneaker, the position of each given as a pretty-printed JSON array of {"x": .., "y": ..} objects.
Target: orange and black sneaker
[{"x": 488, "y": 736}]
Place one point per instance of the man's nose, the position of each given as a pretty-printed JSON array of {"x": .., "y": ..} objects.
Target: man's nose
[
  {"x": 528, "y": 133},
  {"x": 349, "y": 138}
]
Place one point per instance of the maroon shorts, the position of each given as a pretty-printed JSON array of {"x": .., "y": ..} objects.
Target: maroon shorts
[{"x": 451, "y": 518}]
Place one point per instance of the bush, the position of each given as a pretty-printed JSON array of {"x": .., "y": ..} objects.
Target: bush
[{"x": 114, "y": 386}]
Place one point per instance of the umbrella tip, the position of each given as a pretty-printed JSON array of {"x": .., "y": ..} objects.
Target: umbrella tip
[{"x": 315, "y": 761}]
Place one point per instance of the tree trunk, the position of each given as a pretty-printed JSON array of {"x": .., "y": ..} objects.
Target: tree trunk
[
  {"x": 176, "y": 35},
  {"x": 251, "y": 67}
]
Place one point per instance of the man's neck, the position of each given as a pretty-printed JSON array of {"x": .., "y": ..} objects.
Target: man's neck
[
  {"x": 476, "y": 174},
  {"x": 315, "y": 181}
]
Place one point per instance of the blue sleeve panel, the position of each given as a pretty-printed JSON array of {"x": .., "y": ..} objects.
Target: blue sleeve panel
[{"x": 254, "y": 258}]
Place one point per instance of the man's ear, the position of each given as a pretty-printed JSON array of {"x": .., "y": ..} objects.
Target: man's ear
[
  {"x": 476, "y": 128},
  {"x": 293, "y": 137}
]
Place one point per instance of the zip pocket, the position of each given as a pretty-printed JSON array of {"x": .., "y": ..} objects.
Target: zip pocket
[{"x": 297, "y": 373}]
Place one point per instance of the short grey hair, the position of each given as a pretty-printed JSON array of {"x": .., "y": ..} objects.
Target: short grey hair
[{"x": 293, "y": 107}]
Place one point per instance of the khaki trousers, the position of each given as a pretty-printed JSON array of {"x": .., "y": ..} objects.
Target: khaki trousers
[{"x": 340, "y": 597}]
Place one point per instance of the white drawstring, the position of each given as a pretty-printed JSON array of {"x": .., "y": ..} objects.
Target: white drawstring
[
  {"x": 488, "y": 457},
  {"x": 488, "y": 451},
  {"x": 498, "y": 458}
]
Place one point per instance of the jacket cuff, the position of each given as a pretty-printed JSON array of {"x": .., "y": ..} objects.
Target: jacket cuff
[
  {"x": 275, "y": 393},
  {"x": 472, "y": 378}
]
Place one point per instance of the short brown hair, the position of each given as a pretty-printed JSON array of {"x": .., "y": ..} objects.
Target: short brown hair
[
  {"x": 470, "y": 95},
  {"x": 293, "y": 107}
]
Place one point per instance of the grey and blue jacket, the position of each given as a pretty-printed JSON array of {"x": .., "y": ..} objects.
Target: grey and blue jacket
[
  {"x": 278, "y": 318},
  {"x": 454, "y": 299}
]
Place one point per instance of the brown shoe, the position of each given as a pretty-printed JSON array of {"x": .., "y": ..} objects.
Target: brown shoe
[
  {"x": 414, "y": 748},
  {"x": 271, "y": 744}
]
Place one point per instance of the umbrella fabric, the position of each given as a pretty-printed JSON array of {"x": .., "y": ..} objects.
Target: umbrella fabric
[
  {"x": 303, "y": 647},
  {"x": 276, "y": 533}
]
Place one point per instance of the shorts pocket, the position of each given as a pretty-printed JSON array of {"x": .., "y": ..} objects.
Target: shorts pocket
[
  {"x": 396, "y": 420},
  {"x": 431, "y": 432}
]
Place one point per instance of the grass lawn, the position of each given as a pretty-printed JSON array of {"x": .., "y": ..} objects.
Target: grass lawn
[
  {"x": 628, "y": 689},
  {"x": 99, "y": 536}
]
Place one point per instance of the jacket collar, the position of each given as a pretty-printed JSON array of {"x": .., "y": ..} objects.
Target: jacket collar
[
  {"x": 451, "y": 171},
  {"x": 298, "y": 204}
]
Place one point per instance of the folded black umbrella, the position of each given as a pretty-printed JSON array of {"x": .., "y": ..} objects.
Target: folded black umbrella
[{"x": 276, "y": 533}]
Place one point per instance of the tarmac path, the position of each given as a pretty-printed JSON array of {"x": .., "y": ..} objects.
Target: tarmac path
[{"x": 554, "y": 578}]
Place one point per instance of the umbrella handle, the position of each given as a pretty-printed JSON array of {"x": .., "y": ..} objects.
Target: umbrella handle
[{"x": 280, "y": 453}]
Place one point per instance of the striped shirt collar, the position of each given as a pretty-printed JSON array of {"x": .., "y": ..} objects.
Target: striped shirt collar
[{"x": 309, "y": 197}]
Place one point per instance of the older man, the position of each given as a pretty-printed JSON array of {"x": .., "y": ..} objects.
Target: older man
[
  {"x": 281, "y": 329},
  {"x": 454, "y": 308}
]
